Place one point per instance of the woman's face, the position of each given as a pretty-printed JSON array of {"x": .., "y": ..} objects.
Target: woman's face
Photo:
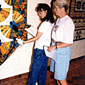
[
  {"x": 57, "y": 10},
  {"x": 42, "y": 14}
]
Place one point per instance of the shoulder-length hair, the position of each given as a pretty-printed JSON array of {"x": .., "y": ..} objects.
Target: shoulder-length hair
[{"x": 49, "y": 16}]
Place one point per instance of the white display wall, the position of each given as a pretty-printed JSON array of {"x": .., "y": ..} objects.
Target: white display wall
[
  {"x": 78, "y": 49},
  {"x": 19, "y": 62}
]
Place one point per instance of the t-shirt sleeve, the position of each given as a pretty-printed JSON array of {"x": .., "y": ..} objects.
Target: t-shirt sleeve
[{"x": 68, "y": 32}]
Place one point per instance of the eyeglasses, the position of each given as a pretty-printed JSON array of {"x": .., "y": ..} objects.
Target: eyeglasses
[{"x": 55, "y": 8}]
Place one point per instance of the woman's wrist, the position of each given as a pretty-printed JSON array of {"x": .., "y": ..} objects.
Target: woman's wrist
[
  {"x": 56, "y": 46},
  {"x": 24, "y": 42}
]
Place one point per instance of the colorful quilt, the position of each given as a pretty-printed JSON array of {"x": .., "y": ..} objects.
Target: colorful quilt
[{"x": 13, "y": 20}]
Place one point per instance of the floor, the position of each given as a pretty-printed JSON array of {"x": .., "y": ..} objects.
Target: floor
[{"x": 76, "y": 75}]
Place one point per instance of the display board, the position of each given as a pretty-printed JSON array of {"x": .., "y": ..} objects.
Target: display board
[{"x": 13, "y": 20}]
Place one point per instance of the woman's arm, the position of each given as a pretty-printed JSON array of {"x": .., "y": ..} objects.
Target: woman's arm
[
  {"x": 34, "y": 38},
  {"x": 61, "y": 45}
]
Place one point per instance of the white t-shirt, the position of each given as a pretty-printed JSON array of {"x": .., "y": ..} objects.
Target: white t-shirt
[
  {"x": 64, "y": 30},
  {"x": 45, "y": 39}
]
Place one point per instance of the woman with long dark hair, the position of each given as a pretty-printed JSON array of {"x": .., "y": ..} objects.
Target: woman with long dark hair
[{"x": 43, "y": 38}]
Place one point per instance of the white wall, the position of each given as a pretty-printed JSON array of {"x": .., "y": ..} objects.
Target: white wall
[
  {"x": 78, "y": 49},
  {"x": 33, "y": 19},
  {"x": 19, "y": 61}
]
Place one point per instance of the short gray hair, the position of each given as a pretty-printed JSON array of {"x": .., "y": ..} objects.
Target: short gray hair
[{"x": 61, "y": 3}]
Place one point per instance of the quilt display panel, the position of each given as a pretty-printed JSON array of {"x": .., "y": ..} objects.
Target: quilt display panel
[{"x": 13, "y": 20}]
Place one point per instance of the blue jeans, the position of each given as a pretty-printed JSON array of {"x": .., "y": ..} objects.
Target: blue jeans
[{"x": 38, "y": 68}]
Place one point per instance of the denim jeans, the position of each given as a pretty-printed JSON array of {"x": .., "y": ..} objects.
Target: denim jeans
[{"x": 38, "y": 68}]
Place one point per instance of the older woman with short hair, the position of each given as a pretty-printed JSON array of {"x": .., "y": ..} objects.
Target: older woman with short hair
[{"x": 62, "y": 39}]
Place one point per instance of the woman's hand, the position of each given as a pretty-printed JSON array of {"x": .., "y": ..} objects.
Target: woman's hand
[
  {"x": 51, "y": 48},
  {"x": 24, "y": 42}
]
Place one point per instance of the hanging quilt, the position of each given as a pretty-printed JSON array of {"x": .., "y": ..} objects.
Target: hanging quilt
[{"x": 13, "y": 20}]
